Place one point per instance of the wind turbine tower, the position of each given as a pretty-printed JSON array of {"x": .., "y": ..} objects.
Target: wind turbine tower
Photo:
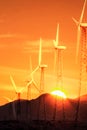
[
  {"x": 81, "y": 54},
  {"x": 58, "y": 66},
  {"x": 58, "y": 63},
  {"x": 42, "y": 69}
]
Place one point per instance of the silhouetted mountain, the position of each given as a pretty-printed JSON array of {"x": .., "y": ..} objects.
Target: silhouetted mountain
[
  {"x": 82, "y": 98},
  {"x": 46, "y": 107}
]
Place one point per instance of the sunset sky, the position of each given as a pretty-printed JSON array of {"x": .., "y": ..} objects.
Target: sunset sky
[{"x": 22, "y": 23}]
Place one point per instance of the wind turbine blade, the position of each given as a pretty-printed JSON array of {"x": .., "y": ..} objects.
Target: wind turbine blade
[
  {"x": 13, "y": 83},
  {"x": 78, "y": 43},
  {"x": 8, "y": 99},
  {"x": 13, "y": 106},
  {"x": 57, "y": 36},
  {"x": 75, "y": 21},
  {"x": 29, "y": 83},
  {"x": 54, "y": 42},
  {"x": 15, "y": 97},
  {"x": 22, "y": 89},
  {"x": 14, "y": 110},
  {"x": 34, "y": 70},
  {"x": 40, "y": 51},
  {"x": 82, "y": 12},
  {"x": 35, "y": 85}
]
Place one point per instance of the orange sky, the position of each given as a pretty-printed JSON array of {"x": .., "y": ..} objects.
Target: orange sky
[{"x": 22, "y": 23}]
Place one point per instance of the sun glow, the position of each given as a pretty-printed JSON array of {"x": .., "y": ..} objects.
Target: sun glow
[{"x": 59, "y": 93}]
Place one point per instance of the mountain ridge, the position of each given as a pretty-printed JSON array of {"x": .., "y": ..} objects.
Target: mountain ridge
[{"x": 45, "y": 107}]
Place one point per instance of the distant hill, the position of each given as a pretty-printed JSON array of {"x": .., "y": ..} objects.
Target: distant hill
[{"x": 45, "y": 107}]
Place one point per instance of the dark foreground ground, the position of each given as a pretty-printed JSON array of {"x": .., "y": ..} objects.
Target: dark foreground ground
[{"x": 41, "y": 125}]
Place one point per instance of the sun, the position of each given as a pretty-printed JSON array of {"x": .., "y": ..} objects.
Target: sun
[{"x": 59, "y": 93}]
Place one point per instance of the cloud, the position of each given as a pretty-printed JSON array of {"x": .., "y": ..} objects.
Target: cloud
[
  {"x": 7, "y": 35},
  {"x": 33, "y": 46}
]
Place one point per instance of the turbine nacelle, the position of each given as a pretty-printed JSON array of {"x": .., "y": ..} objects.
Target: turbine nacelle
[
  {"x": 83, "y": 25},
  {"x": 60, "y": 47},
  {"x": 18, "y": 93},
  {"x": 43, "y": 66}
]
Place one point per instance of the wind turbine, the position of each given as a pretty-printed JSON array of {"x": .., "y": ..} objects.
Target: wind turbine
[
  {"x": 18, "y": 92},
  {"x": 80, "y": 26},
  {"x": 32, "y": 82},
  {"x": 41, "y": 67},
  {"x": 82, "y": 43},
  {"x": 58, "y": 64},
  {"x": 58, "y": 49}
]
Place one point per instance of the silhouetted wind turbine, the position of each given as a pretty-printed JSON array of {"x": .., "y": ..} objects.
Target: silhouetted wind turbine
[
  {"x": 81, "y": 35},
  {"x": 58, "y": 64},
  {"x": 19, "y": 92},
  {"x": 42, "y": 67},
  {"x": 31, "y": 82},
  {"x": 82, "y": 26}
]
